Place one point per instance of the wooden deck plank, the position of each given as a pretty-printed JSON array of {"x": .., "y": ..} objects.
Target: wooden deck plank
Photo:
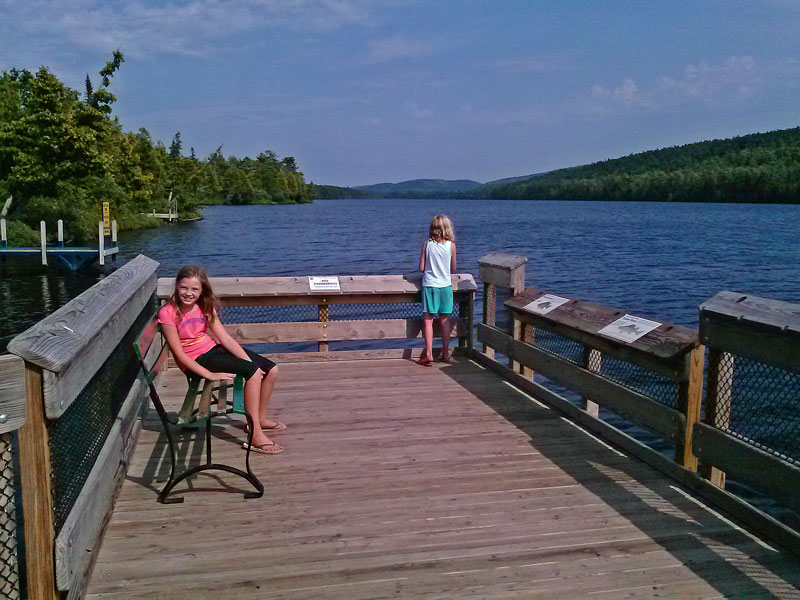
[{"x": 400, "y": 481}]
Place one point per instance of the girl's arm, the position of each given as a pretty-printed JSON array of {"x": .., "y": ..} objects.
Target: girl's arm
[
  {"x": 453, "y": 258},
  {"x": 224, "y": 338},
  {"x": 422, "y": 258},
  {"x": 171, "y": 333}
]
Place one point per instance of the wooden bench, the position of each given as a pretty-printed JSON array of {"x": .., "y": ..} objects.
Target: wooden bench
[{"x": 199, "y": 405}]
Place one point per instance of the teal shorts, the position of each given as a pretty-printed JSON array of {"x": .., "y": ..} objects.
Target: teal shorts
[{"x": 437, "y": 301}]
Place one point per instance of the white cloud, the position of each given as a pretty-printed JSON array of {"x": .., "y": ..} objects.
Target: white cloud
[{"x": 735, "y": 77}]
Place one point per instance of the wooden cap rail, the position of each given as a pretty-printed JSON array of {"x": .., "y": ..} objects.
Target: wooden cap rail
[
  {"x": 259, "y": 290},
  {"x": 71, "y": 344},
  {"x": 661, "y": 350},
  {"x": 759, "y": 328},
  {"x": 12, "y": 393}
]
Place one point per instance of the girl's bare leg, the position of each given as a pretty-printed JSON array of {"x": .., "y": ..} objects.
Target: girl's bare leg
[
  {"x": 427, "y": 333},
  {"x": 267, "y": 385},
  {"x": 251, "y": 404},
  {"x": 444, "y": 321}
]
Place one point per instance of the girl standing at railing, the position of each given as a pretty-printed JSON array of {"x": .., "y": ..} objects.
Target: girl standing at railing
[
  {"x": 186, "y": 320},
  {"x": 437, "y": 261}
]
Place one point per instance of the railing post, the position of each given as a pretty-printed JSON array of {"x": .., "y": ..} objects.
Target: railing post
[
  {"x": 718, "y": 403},
  {"x": 37, "y": 496},
  {"x": 101, "y": 243},
  {"x": 43, "y": 240},
  {"x": 690, "y": 398},
  {"x": 323, "y": 318},
  {"x": 592, "y": 361},
  {"x": 505, "y": 271},
  {"x": 489, "y": 311}
]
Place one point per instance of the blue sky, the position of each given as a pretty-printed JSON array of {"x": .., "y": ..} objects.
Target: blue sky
[{"x": 387, "y": 90}]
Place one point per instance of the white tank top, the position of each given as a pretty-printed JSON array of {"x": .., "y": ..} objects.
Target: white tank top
[{"x": 437, "y": 264}]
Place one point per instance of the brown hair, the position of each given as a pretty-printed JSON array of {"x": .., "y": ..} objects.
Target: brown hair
[
  {"x": 441, "y": 229},
  {"x": 208, "y": 301}
]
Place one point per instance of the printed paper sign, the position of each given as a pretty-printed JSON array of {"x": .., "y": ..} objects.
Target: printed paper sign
[
  {"x": 323, "y": 284},
  {"x": 628, "y": 328},
  {"x": 544, "y": 304}
]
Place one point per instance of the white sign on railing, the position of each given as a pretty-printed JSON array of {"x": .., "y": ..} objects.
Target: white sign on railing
[
  {"x": 628, "y": 328},
  {"x": 323, "y": 284},
  {"x": 545, "y": 303}
]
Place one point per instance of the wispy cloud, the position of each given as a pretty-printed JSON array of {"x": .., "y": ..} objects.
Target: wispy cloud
[
  {"x": 395, "y": 48},
  {"x": 182, "y": 27},
  {"x": 526, "y": 64}
]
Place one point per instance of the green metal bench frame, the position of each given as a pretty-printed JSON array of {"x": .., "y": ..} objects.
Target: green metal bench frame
[{"x": 198, "y": 405}]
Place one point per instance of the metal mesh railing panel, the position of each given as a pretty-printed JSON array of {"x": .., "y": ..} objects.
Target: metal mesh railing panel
[
  {"x": 77, "y": 437},
  {"x": 231, "y": 315},
  {"x": 502, "y": 313},
  {"x": 624, "y": 373},
  {"x": 296, "y": 313},
  {"x": 9, "y": 527},
  {"x": 757, "y": 403}
]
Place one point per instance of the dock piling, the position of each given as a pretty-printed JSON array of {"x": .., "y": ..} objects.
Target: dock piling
[{"x": 43, "y": 238}]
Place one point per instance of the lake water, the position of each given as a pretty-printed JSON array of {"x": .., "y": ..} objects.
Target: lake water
[{"x": 659, "y": 260}]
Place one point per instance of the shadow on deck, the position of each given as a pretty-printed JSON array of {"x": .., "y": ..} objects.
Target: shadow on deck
[{"x": 401, "y": 481}]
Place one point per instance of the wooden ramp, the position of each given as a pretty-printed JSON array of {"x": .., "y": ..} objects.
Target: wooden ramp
[{"x": 400, "y": 481}]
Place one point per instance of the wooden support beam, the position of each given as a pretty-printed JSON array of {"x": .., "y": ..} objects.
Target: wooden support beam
[
  {"x": 690, "y": 399},
  {"x": 719, "y": 387},
  {"x": 322, "y": 346},
  {"x": 37, "y": 495}
]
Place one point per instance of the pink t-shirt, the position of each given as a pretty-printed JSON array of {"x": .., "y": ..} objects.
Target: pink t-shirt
[{"x": 191, "y": 330}]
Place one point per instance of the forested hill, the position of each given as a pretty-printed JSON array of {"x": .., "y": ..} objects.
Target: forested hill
[
  {"x": 420, "y": 186},
  {"x": 63, "y": 153},
  {"x": 761, "y": 167}
]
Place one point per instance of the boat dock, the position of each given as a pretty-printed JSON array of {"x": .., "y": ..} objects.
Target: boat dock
[
  {"x": 72, "y": 257},
  {"x": 496, "y": 475}
]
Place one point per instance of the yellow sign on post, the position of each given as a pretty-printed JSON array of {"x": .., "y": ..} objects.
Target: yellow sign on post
[{"x": 106, "y": 220}]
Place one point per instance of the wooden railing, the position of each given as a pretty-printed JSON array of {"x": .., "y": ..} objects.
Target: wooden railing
[
  {"x": 656, "y": 382},
  {"x": 753, "y": 367},
  {"x": 393, "y": 290},
  {"x": 66, "y": 366}
]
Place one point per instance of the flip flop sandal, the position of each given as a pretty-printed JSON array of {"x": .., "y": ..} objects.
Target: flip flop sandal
[
  {"x": 269, "y": 448},
  {"x": 425, "y": 362}
]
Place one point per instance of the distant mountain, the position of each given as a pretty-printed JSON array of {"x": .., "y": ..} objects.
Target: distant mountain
[{"x": 426, "y": 186}]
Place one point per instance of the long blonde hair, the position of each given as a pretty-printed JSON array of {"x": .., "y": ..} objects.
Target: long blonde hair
[
  {"x": 208, "y": 301},
  {"x": 441, "y": 229}
]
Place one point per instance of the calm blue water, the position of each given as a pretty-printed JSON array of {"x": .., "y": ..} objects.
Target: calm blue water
[{"x": 659, "y": 260}]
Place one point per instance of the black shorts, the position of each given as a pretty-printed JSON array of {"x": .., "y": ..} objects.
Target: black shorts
[{"x": 219, "y": 360}]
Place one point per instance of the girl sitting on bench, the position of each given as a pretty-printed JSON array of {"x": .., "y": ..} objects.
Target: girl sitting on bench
[{"x": 186, "y": 321}]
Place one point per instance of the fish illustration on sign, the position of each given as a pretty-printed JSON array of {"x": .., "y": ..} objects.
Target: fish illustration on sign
[
  {"x": 544, "y": 305},
  {"x": 630, "y": 328}
]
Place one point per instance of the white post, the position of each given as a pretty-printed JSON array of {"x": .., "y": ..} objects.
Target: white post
[
  {"x": 43, "y": 237},
  {"x": 60, "y": 233},
  {"x": 3, "y": 238},
  {"x": 101, "y": 243},
  {"x": 114, "y": 238}
]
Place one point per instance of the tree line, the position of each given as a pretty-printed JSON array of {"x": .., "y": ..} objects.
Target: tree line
[
  {"x": 760, "y": 167},
  {"x": 63, "y": 153}
]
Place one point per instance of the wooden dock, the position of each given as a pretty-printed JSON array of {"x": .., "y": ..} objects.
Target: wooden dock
[{"x": 400, "y": 481}]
